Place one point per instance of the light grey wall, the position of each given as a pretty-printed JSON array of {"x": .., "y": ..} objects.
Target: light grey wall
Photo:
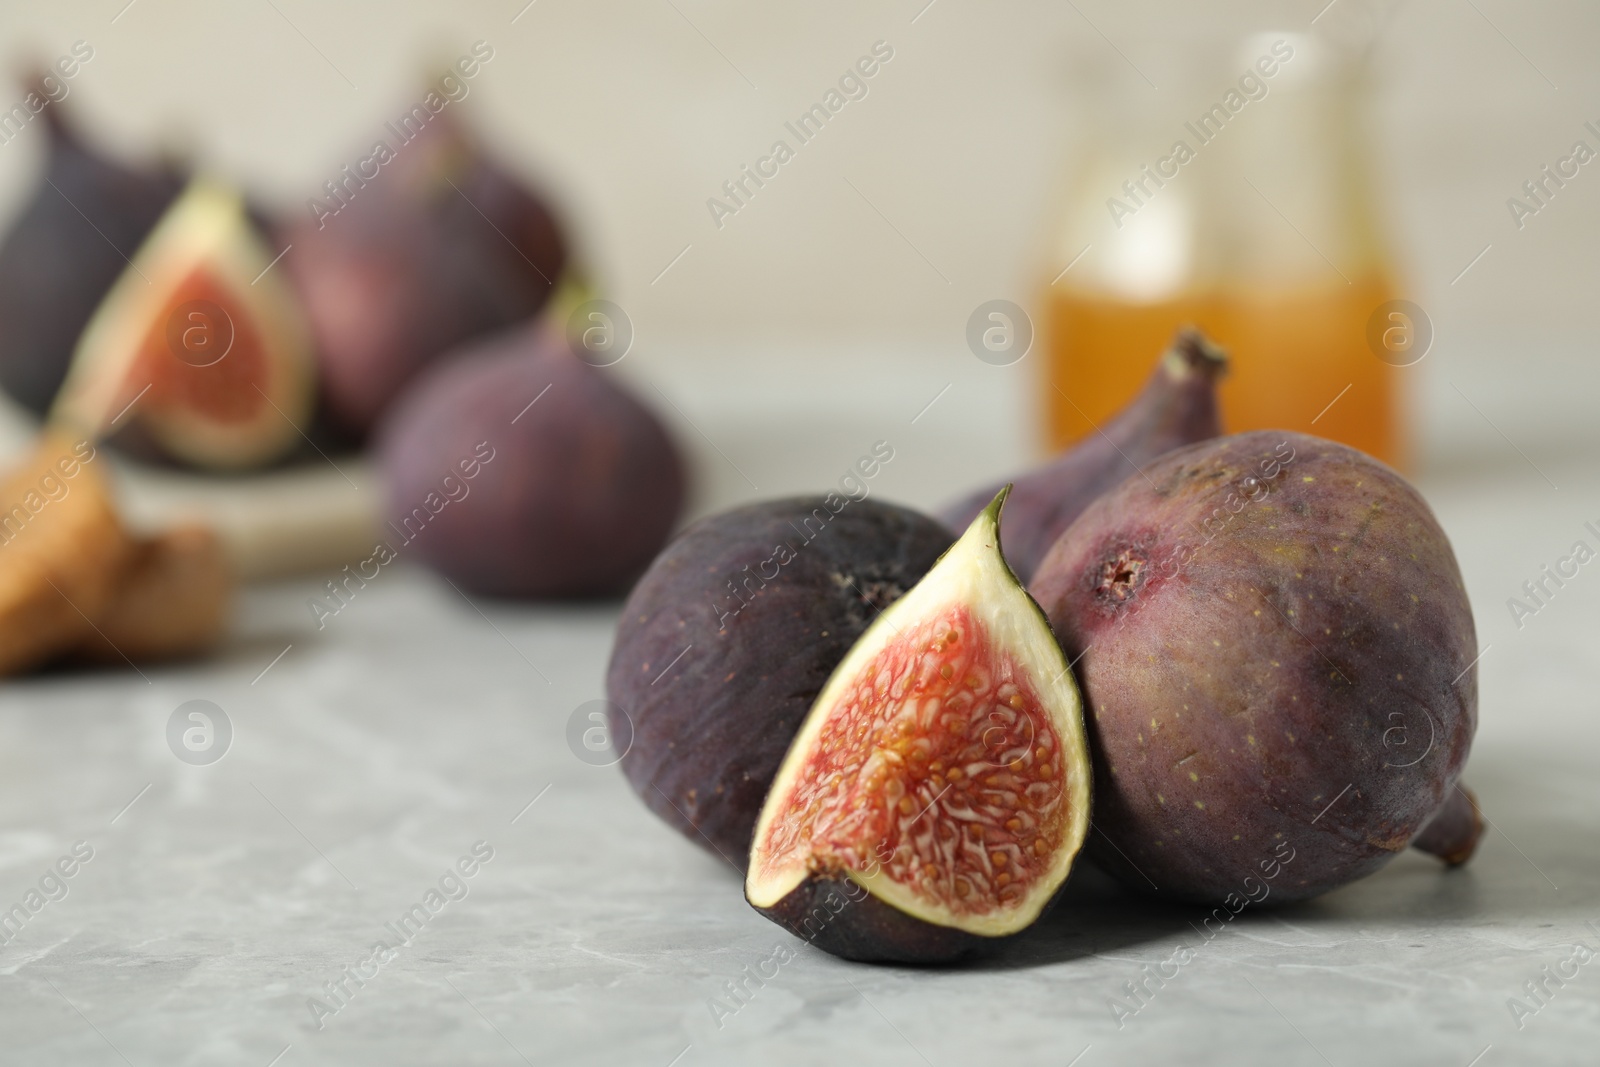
[{"x": 918, "y": 202}]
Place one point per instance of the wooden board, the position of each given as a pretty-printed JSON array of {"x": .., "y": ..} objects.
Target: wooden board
[{"x": 312, "y": 517}]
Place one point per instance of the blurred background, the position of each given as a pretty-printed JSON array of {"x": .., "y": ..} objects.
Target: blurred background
[
  {"x": 969, "y": 264},
  {"x": 838, "y": 298}
]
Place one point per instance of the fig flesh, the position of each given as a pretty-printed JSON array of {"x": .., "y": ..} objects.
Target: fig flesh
[
  {"x": 725, "y": 642},
  {"x": 939, "y": 787},
  {"x": 517, "y": 469},
  {"x": 199, "y": 346},
  {"x": 1276, "y": 648},
  {"x": 1176, "y": 407},
  {"x": 440, "y": 247},
  {"x": 68, "y": 246}
]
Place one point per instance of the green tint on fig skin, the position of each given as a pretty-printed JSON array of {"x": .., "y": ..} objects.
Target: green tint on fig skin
[
  {"x": 56, "y": 265},
  {"x": 1176, "y": 407},
  {"x": 1275, "y": 646},
  {"x": 716, "y": 690}
]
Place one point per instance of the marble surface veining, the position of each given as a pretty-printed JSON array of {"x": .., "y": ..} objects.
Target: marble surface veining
[{"x": 417, "y": 733}]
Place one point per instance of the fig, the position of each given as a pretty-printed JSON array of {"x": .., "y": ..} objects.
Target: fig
[
  {"x": 62, "y": 552},
  {"x": 440, "y": 246},
  {"x": 512, "y": 492},
  {"x": 727, "y": 639},
  {"x": 1276, "y": 648},
  {"x": 938, "y": 790},
  {"x": 171, "y": 603},
  {"x": 62, "y": 254},
  {"x": 1176, "y": 407},
  {"x": 198, "y": 347}
]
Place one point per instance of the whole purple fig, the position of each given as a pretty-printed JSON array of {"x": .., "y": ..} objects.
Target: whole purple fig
[
  {"x": 1277, "y": 652},
  {"x": 518, "y": 469},
  {"x": 436, "y": 246}
]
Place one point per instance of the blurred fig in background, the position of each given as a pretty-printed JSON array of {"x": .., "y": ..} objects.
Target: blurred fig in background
[
  {"x": 517, "y": 469},
  {"x": 199, "y": 349},
  {"x": 1176, "y": 407},
  {"x": 73, "y": 238},
  {"x": 411, "y": 252},
  {"x": 171, "y": 603},
  {"x": 62, "y": 551}
]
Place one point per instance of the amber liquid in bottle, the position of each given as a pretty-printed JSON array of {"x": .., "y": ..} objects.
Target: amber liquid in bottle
[
  {"x": 1269, "y": 240},
  {"x": 1298, "y": 359}
]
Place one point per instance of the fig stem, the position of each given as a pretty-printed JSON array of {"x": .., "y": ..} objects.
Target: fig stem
[{"x": 1192, "y": 352}]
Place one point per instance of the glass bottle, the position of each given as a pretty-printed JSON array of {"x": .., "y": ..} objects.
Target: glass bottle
[{"x": 1238, "y": 199}]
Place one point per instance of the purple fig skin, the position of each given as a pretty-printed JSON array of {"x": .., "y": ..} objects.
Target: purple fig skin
[
  {"x": 439, "y": 247},
  {"x": 1455, "y": 829},
  {"x": 56, "y": 264},
  {"x": 1274, "y": 643},
  {"x": 580, "y": 492},
  {"x": 1176, "y": 407},
  {"x": 841, "y": 918},
  {"x": 711, "y": 728}
]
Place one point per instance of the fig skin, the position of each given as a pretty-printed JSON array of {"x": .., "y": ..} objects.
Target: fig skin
[
  {"x": 1177, "y": 406},
  {"x": 577, "y": 493},
  {"x": 440, "y": 247},
  {"x": 56, "y": 265},
  {"x": 1271, "y": 628},
  {"x": 843, "y": 919},
  {"x": 1455, "y": 829},
  {"x": 710, "y": 733}
]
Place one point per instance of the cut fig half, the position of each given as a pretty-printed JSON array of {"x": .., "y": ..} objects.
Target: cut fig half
[
  {"x": 938, "y": 791},
  {"x": 199, "y": 347}
]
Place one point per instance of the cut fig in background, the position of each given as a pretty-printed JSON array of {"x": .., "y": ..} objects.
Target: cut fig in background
[
  {"x": 65, "y": 250},
  {"x": 938, "y": 791},
  {"x": 199, "y": 347}
]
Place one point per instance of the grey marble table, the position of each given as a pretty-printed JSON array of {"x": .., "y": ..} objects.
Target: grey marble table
[{"x": 418, "y": 731}]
